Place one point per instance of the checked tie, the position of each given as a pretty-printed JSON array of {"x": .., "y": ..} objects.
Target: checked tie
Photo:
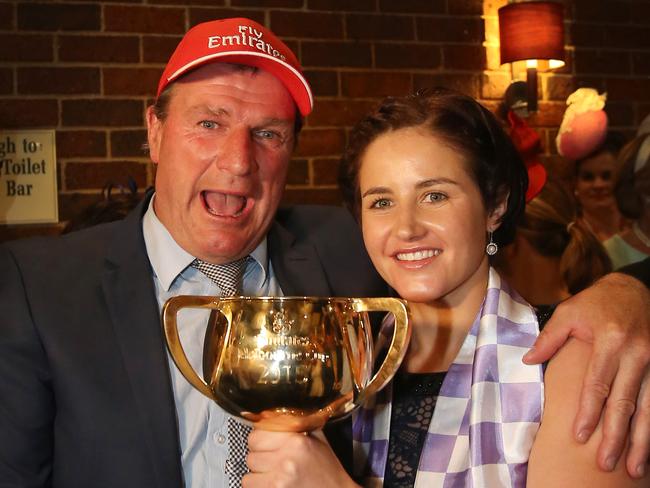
[{"x": 228, "y": 278}]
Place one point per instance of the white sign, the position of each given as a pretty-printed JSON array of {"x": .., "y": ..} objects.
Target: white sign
[{"x": 28, "y": 190}]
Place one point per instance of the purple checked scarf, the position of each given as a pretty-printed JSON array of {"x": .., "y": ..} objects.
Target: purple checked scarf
[{"x": 488, "y": 411}]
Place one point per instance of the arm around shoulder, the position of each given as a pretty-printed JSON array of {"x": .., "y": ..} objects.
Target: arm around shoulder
[
  {"x": 26, "y": 401},
  {"x": 613, "y": 315},
  {"x": 557, "y": 459}
]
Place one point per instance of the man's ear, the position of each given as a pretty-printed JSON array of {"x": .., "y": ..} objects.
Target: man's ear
[
  {"x": 494, "y": 219},
  {"x": 154, "y": 133}
]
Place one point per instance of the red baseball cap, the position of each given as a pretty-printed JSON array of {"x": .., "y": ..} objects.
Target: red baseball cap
[{"x": 240, "y": 41}]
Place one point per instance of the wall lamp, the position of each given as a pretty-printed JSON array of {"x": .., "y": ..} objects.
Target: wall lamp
[{"x": 532, "y": 32}]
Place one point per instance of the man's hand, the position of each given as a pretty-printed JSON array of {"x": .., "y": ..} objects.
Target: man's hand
[
  {"x": 288, "y": 459},
  {"x": 614, "y": 316}
]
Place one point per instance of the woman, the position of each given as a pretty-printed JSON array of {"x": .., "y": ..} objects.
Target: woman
[
  {"x": 594, "y": 189},
  {"x": 437, "y": 186},
  {"x": 553, "y": 256},
  {"x": 633, "y": 199}
]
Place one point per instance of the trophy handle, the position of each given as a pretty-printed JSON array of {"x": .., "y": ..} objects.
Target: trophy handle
[
  {"x": 169, "y": 313},
  {"x": 398, "y": 345}
]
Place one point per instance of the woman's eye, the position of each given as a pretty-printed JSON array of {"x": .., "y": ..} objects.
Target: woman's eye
[
  {"x": 208, "y": 124},
  {"x": 435, "y": 197},
  {"x": 380, "y": 203}
]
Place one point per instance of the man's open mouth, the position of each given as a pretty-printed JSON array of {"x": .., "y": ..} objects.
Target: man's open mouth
[{"x": 223, "y": 204}]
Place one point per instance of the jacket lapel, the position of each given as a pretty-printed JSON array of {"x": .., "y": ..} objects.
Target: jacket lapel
[
  {"x": 296, "y": 264},
  {"x": 130, "y": 295},
  {"x": 300, "y": 272}
]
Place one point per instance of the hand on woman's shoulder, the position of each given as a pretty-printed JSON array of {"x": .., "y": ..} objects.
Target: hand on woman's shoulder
[{"x": 557, "y": 459}]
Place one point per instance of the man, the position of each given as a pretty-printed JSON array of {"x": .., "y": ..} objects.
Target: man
[{"x": 88, "y": 395}]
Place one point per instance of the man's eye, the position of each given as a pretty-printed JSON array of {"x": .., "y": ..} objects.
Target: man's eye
[
  {"x": 208, "y": 124},
  {"x": 435, "y": 197},
  {"x": 267, "y": 134}
]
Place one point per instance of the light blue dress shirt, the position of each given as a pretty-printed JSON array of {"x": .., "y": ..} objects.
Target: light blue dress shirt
[{"x": 202, "y": 424}]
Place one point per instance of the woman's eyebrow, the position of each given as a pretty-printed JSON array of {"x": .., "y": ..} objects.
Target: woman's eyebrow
[
  {"x": 435, "y": 181},
  {"x": 376, "y": 190},
  {"x": 420, "y": 185}
]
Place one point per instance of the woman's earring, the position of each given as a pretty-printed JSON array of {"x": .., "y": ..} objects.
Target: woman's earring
[{"x": 492, "y": 248}]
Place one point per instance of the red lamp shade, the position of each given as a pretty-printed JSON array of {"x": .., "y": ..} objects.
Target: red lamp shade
[{"x": 531, "y": 30}]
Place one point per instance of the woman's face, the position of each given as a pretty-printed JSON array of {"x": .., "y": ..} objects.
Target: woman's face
[
  {"x": 423, "y": 219},
  {"x": 595, "y": 182}
]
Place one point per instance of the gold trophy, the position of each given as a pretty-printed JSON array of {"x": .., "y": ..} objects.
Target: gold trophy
[{"x": 288, "y": 363}]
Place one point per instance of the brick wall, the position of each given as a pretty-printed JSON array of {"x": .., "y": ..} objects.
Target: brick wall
[{"x": 89, "y": 68}]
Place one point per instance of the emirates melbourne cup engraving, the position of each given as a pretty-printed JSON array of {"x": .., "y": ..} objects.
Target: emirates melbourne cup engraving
[{"x": 288, "y": 363}]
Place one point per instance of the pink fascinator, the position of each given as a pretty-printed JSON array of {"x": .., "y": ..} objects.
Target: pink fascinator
[{"x": 584, "y": 125}]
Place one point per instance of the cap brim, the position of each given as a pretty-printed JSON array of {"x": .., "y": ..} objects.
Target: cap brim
[{"x": 291, "y": 78}]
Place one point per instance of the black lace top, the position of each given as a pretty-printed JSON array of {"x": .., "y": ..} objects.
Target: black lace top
[{"x": 414, "y": 399}]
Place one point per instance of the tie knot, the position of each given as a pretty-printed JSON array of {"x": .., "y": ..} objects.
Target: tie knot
[{"x": 227, "y": 276}]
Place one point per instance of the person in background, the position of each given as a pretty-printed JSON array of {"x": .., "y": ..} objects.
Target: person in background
[
  {"x": 633, "y": 199},
  {"x": 583, "y": 138},
  {"x": 116, "y": 203},
  {"x": 639, "y": 270},
  {"x": 88, "y": 393},
  {"x": 437, "y": 187},
  {"x": 594, "y": 188},
  {"x": 553, "y": 255}
]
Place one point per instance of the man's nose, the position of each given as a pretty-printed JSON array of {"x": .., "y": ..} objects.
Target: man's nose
[{"x": 236, "y": 153}]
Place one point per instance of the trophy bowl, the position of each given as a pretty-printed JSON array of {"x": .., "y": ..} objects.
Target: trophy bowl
[{"x": 288, "y": 363}]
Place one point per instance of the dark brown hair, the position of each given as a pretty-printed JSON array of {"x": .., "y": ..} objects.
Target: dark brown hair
[
  {"x": 612, "y": 144},
  {"x": 464, "y": 124},
  {"x": 550, "y": 225}
]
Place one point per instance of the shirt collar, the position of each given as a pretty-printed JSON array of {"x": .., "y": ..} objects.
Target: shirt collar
[{"x": 168, "y": 259}]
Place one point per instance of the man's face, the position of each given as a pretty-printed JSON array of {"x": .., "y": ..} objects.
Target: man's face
[{"x": 222, "y": 153}]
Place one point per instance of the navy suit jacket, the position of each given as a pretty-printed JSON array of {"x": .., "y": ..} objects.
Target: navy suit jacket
[{"x": 85, "y": 392}]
